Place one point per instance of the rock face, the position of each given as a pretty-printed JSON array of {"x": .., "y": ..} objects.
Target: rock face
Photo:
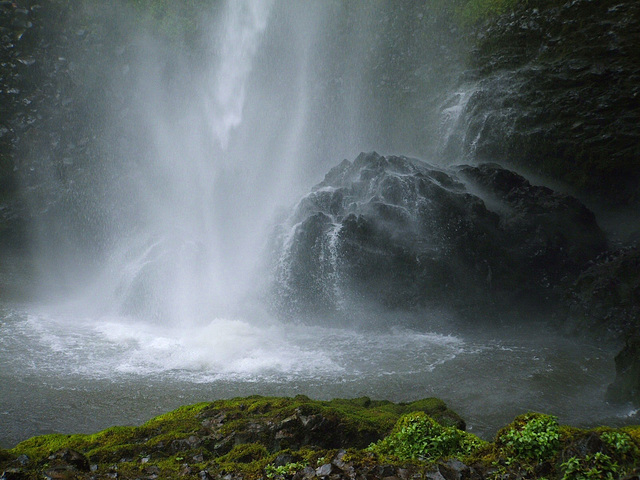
[
  {"x": 402, "y": 233},
  {"x": 626, "y": 386},
  {"x": 605, "y": 298},
  {"x": 50, "y": 120},
  {"x": 555, "y": 89},
  {"x": 604, "y": 301}
]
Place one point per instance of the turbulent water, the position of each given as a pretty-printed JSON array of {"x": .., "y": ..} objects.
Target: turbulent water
[
  {"x": 167, "y": 311},
  {"x": 70, "y": 374}
]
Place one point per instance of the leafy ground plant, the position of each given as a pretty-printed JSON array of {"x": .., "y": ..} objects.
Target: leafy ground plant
[
  {"x": 417, "y": 436},
  {"x": 532, "y": 436},
  {"x": 271, "y": 471},
  {"x": 620, "y": 442},
  {"x": 597, "y": 466}
]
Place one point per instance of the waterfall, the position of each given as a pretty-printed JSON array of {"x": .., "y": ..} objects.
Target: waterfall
[
  {"x": 205, "y": 147},
  {"x": 245, "y": 23},
  {"x": 168, "y": 153}
]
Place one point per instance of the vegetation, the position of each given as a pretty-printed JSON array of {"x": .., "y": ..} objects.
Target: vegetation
[
  {"x": 532, "y": 436},
  {"x": 417, "y": 436},
  {"x": 597, "y": 466},
  {"x": 287, "y": 438},
  {"x": 472, "y": 11},
  {"x": 271, "y": 471}
]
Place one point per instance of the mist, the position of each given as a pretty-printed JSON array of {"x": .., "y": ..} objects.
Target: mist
[{"x": 200, "y": 144}]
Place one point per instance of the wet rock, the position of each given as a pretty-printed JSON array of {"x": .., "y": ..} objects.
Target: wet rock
[
  {"x": 204, "y": 475},
  {"x": 13, "y": 474},
  {"x": 307, "y": 473},
  {"x": 71, "y": 458},
  {"x": 152, "y": 471},
  {"x": 605, "y": 298},
  {"x": 63, "y": 472},
  {"x": 384, "y": 471},
  {"x": 554, "y": 89},
  {"x": 435, "y": 475},
  {"x": 456, "y": 470},
  {"x": 585, "y": 445},
  {"x": 185, "y": 444},
  {"x": 215, "y": 422},
  {"x": 402, "y": 233},
  {"x": 324, "y": 470},
  {"x": 224, "y": 445},
  {"x": 283, "y": 459},
  {"x": 626, "y": 386}
]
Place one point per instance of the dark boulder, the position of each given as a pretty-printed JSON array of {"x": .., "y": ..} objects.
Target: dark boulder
[{"x": 401, "y": 233}]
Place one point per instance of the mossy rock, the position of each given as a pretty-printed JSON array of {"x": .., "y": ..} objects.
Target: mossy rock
[
  {"x": 284, "y": 438},
  {"x": 216, "y": 429}
]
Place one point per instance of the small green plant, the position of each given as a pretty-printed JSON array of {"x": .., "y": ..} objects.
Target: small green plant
[
  {"x": 597, "y": 466},
  {"x": 417, "y": 436},
  {"x": 271, "y": 471},
  {"x": 620, "y": 442},
  {"x": 532, "y": 436}
]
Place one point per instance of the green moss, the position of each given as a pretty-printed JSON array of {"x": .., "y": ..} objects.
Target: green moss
[
  {"x": 358, "y": 418},
  {"x": 183, "y": 419},
  {"x": 191, "y": 435},
  {"x": 472, "y": 11},
  {"x": 359, "y": 422},
  {"x": 245, "y": 453},
  {"x": 44, "y": 445}
]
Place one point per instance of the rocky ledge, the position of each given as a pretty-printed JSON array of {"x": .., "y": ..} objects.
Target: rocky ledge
[{"x": 302, "y": 439}]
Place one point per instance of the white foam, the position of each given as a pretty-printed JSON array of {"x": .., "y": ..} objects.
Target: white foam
[{"x": 224, "y": 348}]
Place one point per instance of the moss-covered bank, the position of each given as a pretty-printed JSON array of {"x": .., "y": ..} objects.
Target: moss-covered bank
[{"x": 296, "y": 438}]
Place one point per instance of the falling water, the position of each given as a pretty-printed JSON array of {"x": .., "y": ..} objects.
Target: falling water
[
  {"x": 244, "y": 25},
  {"x": 194, "y": 170}
]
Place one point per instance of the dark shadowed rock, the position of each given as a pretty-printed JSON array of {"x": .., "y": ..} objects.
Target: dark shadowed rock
[
  {"x": 555, "y": 89},
  {"x": 626, "y": 386},
  {"x": 402, "y": 233},
  {"x": 70, "y": 459},
  {"x": 605, "y": 297},
  {"x": 13, "y": 474}
]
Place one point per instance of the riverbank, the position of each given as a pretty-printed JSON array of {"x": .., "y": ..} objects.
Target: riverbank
[{"x": 295, "y": 438}]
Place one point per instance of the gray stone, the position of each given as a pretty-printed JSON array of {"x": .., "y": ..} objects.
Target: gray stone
[{"x": 324, "y": 470}]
